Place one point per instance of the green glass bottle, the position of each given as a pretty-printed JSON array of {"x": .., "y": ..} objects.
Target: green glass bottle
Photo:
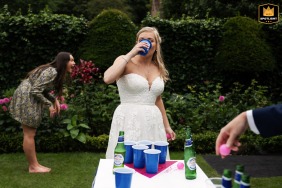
[
  {"x": 245, "y": 181},
  {"x": 238, "y": 174},
  {"x": 119, "y": 152},
  {"x": 227, "y": 179},
  {"x": 189, "y": 156}
]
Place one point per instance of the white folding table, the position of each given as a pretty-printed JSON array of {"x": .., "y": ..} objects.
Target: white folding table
[{"x": 170, "y": 177}]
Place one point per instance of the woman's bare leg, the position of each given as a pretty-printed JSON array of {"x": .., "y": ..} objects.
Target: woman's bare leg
[{"x": 29, "y": 150}]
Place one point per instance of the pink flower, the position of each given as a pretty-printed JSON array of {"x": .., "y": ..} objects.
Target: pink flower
[
  {"x": 6, "y": 100},
  {"x": 62, "y": 99},
  {"x": 64, "y": 106},
  {"x": 2, "y": 101},
  {"x": 4, "y": 108},
  {"x": 221, "y": 98}
]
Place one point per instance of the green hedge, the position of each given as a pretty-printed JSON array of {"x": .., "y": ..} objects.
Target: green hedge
[
  {"x": 189, "y": 47},
  {"x": 35, "y": 39},
  {"x": 110, "y": 35},
  {"x": 204, "y": 143}
]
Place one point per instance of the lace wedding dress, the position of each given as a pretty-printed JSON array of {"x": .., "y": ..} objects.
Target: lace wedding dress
[{"x": 137, "y": 115}]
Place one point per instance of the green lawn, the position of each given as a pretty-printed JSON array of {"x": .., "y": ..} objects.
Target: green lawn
[{"x": 76, "y": 170}]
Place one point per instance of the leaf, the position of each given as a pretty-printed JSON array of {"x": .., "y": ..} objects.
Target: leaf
[
  {"x": 74, "y": 133},
  {"x": 66, "y": 121},
  {"x": 81, "y": 137},
  {"x": 69, "y": 127},
  {"x": 84, "y": 125},
  {"x": 66, "y": 133},
  {"x": 74, "y": 120}
]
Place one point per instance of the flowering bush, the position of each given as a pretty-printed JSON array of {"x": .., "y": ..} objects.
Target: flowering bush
[
  {"x": 6, "y": 122},
  {"x": 205, "y": 108},
  {"x": 4, "y": 103},
  {"x": 84, "y": 72},
  {"x": 82, "y": 94},
  {"x": 221, "y": 98},
  {"x": 64, "y": 106}
]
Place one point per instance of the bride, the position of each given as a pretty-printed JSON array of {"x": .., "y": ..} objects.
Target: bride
[{"x": 140, "y": 80}]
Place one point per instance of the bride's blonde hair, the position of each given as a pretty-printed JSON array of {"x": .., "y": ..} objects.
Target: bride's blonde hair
[{"x": 157, "y": 57}]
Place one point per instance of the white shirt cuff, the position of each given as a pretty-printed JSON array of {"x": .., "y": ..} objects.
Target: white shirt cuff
[{"x": 251, "y": 122}]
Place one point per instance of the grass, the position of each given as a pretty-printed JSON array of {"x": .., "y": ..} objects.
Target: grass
[
  {"x": 74, "y": 170},
  {"x": 70, "y": 170}
]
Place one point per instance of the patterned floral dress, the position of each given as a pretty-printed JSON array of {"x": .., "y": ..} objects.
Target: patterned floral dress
[{"x": 32, "y": 96}]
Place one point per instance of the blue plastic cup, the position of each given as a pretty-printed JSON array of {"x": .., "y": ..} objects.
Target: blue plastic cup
[
  {"x": 139, "y": 156},
  {"x": 146, "y": 49},
  {"x": 162, "y": 146},
  {"x": 152, "y": 160},
  {"x": 128, "y": 151},
  {"x": 123, "y": 177},
  {"x": 146, "y": 143}
]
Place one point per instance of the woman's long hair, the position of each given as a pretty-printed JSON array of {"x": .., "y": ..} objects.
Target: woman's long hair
[
  {"x": 157, "y": 57},
  {"x": 60, "y": 64}
]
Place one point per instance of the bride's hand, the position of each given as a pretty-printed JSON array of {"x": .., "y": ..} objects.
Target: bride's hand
[
  {"x": 138, "y": 48},
  {"x": 171, "y": 133}
]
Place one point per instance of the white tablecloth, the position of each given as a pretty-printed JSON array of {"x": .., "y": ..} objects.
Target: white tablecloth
[{"x": 169, "y": 178}]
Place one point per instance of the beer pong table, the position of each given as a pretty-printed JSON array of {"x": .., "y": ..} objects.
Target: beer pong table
[{"x": 170, "y": 177}]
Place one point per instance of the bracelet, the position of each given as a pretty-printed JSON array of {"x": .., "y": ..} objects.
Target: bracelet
[{"x": 124, "y": 59}]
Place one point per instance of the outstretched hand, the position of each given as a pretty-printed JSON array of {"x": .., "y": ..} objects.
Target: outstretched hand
[{"x": 230, "y": 134}]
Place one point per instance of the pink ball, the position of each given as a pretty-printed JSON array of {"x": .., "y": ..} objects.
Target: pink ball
[
  {"x": 224, "y": 150},
  {"x": 180, "y": 165},
  {"x": 168, "y": 136}
]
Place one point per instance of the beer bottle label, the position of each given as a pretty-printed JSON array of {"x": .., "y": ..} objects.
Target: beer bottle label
[
  {"x": 118, "y": 159},
  {"x": 191, "y": 163}
]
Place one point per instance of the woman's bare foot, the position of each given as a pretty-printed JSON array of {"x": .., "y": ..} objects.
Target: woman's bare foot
[{"x": 39, "y": 169}]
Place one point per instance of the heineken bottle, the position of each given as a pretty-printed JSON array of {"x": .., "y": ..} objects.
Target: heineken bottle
[
  {"x": 119, "y": 152},
  {"x": 227, "y": 178},
  {"x": 245, "y": 181},
  {"x": 189, "y": 156},
  {"x": 238, "y": 173}
]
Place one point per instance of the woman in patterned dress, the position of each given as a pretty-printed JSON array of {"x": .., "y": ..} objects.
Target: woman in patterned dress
[{"x": 33, "y": 95}]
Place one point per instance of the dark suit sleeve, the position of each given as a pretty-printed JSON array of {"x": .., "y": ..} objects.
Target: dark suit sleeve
[{"x": 269, "y": 120}]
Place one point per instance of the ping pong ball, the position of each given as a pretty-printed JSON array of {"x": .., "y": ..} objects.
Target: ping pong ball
[
  {"x": 168, "y": 136},
  {"x": 224, "y": 150},
  {"x": 180, "y": 165}
]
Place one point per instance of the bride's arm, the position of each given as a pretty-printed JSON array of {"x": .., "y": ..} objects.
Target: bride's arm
[
  {"x": 116, "y": 70},
  {"x": 159, "y": 103}
]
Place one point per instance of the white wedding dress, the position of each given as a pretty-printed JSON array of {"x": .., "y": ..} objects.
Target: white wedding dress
[{"x": 137, "y": 115}]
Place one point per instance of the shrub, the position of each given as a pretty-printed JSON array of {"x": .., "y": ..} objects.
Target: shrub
[
  {"x": 110, "y": 34},
  {"x": 206, "y": 108},
  {"x": 11, "y": 142},
  {"x": 7, "y": 124},
  {"x": 243, "y": 48},
  {"x": 35, "y": 39},
  {"x": 204, "y": 143},
  {"x": 188, "y": 47},
  {"x": 90, "y": 98}
]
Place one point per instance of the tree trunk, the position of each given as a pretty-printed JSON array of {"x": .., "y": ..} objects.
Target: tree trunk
[{"x": 155, "y": 7}]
